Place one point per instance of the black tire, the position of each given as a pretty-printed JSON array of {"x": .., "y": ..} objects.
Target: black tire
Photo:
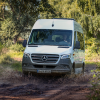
[
  {"x": 72, "y": 70},
  {"x": 83, "y": 69},
  {"x": 25, "y": 73}
]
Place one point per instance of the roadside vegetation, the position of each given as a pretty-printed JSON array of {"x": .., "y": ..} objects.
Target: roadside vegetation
[
  {"x": 18, "y": 16},
  {"x": 9, "y": 56}
]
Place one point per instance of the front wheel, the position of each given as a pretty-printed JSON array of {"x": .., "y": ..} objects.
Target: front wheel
[
  {"x": 25, "y": 73},
  {"x": 72, "y": 70}
]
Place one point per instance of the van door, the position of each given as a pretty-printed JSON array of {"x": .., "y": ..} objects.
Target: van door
[
  {"x": 78, "y": 53},
  {"x": 80, "y": 38}
]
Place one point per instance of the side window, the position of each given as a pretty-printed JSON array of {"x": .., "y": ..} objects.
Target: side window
[
  {"x": 81, "y": 40},
  {"x": 74, "y": 38}
]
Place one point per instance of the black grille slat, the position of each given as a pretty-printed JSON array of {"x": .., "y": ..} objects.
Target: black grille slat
[
  {"x": 40, "y": 66},
  {"x": 51, "y": 58}
]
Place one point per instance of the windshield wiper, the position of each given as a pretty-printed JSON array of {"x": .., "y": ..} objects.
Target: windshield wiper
[
  {"x": 33, "y": 44},
  {"x": 62, "y": 46}
]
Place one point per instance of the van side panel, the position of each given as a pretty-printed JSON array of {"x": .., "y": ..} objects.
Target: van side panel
[
  {"x": 77, "y": 27},
  {"x": 79, "y": 54}
]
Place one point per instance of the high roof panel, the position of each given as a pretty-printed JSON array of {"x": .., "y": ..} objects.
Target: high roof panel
[
  {"x": 65, "y": 18},
  {"x": 54, "y": 24}
]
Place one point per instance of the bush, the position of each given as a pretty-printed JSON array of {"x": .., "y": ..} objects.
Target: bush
[
  {"x": 1, "y": 46},
  {"x": 17, "y": 66},
  {"x": 17, "y": 47},
  {"x": 92, "y": 46},
  {"x": 91, "y": 41},
  {"x": 95, "y": 89},
  {"x": 7, "y": 60}
]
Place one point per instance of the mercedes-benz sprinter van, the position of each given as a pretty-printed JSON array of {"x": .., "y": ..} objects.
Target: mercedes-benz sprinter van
[{"x": 54, "y": 46}]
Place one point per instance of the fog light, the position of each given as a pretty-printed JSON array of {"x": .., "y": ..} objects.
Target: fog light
[{"x": 24, "y": 65}]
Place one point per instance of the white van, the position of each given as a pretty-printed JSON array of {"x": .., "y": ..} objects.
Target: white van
[{"x": 54, "y": 46}]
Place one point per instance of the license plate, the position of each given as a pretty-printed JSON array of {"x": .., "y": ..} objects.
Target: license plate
[{"x": 43, "y": 71}]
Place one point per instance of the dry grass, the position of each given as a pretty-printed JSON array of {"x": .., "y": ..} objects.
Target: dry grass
[
  {"x": 14, "y": 76},
  {"x": 83, "y": 78}
]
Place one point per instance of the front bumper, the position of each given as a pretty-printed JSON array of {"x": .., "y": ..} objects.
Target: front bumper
[
  {"x": 28, "y": 69},
  {"x": 63, "y": 66}
]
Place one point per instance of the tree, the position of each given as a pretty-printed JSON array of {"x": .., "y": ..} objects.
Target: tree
[
  {"x": 23, "y": 15},
  {"x": 86, "y": 12}
]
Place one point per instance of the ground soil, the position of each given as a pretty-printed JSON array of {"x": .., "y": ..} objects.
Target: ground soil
[{"x": 14, "y": 86}]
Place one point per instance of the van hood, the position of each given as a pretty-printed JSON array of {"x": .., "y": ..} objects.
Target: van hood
[{"x": 47, "y": 50}]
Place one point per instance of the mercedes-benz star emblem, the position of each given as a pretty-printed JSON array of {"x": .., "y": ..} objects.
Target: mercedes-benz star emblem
[{"x": 44, "y": 58}]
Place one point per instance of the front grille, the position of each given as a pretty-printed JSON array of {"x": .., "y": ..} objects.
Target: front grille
[
  {"x": 40, "y": 66},
  {"x": 44, "y": 58}
]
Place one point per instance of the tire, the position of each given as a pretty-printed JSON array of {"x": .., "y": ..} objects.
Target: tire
[
  {"x": 25, "y": 73},
  {"x": 72, "y": 70},
  {"x": 82, "y": 69}
]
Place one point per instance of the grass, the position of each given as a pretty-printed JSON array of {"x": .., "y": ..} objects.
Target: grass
[
  {"x": 17, "y": 66},
  {"x": 15, "y": 54},
  {"x": 7, "y": 56},
  {"x": 7, "y": 60}
]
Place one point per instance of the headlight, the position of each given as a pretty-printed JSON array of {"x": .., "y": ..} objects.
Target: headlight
[
  {"x": 65, "y": 56},
  {"x": 26, "y": 55}
]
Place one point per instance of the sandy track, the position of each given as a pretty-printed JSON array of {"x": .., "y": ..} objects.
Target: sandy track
[{"x": 17, "y": 87}]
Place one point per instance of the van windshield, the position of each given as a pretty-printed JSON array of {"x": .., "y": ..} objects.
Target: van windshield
[{"x": 50, "y": 37}]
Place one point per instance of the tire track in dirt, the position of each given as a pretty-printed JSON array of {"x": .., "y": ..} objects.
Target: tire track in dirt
[{"x": 45, "y": 87}]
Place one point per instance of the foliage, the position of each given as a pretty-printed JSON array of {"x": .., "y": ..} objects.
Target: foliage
[
  {"x": 23, "y": 14},
  {"x": 92, "y": 50},
  {"x": 14, "y": 54},
  {"x": 6, "y": 59},
  {"x": 79, "y": 10},
  {"x": 95, "y": 89},
  {"x": 17, "y": 47},
  {"x": 17, "y": 66},
  {"x": 9, "y": 62},
  {"x": 1, "y": 46}
]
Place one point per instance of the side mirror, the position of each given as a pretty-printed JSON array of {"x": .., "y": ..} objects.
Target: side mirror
[
  {"x": 24, "y": 43},
  {"x": 77, "y": 46}
]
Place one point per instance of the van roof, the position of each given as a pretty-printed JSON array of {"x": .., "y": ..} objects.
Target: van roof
[
  {"x": 54, "y": 24},
  {"x": 65, "y": 18},
  {"x": 58, "y": 23}
]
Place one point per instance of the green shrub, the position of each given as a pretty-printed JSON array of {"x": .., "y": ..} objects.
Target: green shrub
[
  {"x": 6, "y": 60},
  {"x": 95, "y": 89},
  {"x": 14, "y": 54},
  {"x": 1, "y": 46},
  {"x": 91, "y": 41},
  {"x": 17, "y": 47},
  {"x": 17, "y": 66},
  {"x": 92, "y": 47}
]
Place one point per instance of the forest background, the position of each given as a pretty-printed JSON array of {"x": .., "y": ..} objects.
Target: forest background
[{"x": 18, "y": 16}]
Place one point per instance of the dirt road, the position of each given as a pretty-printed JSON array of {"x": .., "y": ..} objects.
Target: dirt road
[{"x": 13, "y": 86}]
